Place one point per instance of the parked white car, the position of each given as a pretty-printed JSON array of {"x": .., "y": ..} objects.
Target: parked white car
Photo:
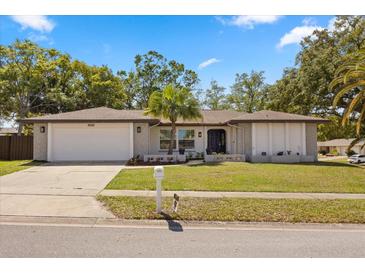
[{"x": 356, "y": 159}]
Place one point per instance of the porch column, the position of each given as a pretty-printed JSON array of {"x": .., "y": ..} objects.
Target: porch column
[
  {"x": 205, "y": 139},
  {"x": 49, "y": 142},
  {"x": 253, "y": 139},
  {"x": 131, "y": 141},
  {"x": 234, "y": 140},
  {"x": 304, "y": 147}
]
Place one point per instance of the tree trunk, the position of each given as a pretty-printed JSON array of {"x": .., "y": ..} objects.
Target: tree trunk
[{"x": 172, "y": 140}]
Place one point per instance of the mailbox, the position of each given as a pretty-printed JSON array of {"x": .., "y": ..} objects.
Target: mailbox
[{"x": 158, "y": 172}]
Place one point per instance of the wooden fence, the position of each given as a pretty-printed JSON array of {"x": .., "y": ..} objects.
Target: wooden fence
[{"x": 16, "y": 147}]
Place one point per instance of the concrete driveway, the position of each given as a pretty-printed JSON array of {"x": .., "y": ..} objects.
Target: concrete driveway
[{"x": 60, "y": 190}]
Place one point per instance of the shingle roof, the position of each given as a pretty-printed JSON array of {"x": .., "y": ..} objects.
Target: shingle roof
[
  {"x": 214, "y": 117},
  {"x": 338, "y": 142},
  {"x": 209, "y": 117},
  {"x": 269, "y": 115},
  {"x": 94, "y": 114}
]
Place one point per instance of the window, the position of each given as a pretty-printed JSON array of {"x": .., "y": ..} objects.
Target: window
[
  {"x": 186, "y": 138},
  {"x": 165, "y": 136}
]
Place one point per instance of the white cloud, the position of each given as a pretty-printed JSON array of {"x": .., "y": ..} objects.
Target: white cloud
[
  {"x": 248, "y": 21},
  {"x": 208, "y": 62},
  {"x": 36, "y": 22},
  {"x": 298, "y": 33},
  {"x": 331, "y": 24}
]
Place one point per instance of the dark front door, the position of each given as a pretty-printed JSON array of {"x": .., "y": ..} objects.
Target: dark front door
[{"x": 216, "y": 141}]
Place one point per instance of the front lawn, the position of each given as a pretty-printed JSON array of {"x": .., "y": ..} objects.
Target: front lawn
[
  {"x": 236, "y": 209},
  {"x": 7, "y": 167},
  {"x": 326, "y": 176}
]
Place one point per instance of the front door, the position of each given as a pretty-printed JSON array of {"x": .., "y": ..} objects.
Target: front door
[{"x": 216, "y": 141}]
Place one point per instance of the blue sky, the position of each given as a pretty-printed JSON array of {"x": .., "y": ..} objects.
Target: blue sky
[{"x": 216, "y": 47}]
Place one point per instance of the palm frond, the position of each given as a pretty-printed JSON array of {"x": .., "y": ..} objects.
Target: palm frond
[
  {"x": 345, "y": 89},
  {"x": 360, "y": 120},
  {"x": 350, "y": 108}
]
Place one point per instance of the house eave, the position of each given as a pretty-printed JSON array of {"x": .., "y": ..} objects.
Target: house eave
[
  {"x": 32, "y": 121},
  {"x": 279, "y": 121}
]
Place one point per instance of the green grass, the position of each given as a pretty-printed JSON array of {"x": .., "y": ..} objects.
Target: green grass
[
  {"x": 236, "y": 209},
  {"x": 7, "y": 167},
  {"x": 333, "y": 176}
]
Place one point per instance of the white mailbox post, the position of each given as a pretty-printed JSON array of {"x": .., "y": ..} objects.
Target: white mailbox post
[{"x": 158, "y": 174}]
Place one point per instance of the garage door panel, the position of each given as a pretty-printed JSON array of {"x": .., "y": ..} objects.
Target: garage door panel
[{"x": 90, "y": 142}]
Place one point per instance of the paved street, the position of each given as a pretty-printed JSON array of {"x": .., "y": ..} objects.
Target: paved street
[{"x": 160, "y": 241}]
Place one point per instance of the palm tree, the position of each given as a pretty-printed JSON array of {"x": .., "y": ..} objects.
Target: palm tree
[
  {"x": 350, "y": 83},
  {"x": 173, "y": 103}
]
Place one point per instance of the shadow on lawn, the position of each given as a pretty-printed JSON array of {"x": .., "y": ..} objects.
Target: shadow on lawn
[
  {"x": 173, "y": 225},
  {"x": 206, "y": 164}
]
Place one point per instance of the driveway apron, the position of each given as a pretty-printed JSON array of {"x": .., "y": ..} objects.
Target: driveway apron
[{"x": 60, "y": 190}]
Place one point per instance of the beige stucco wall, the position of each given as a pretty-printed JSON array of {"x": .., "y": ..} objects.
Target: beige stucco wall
[
  {"x": 200, "y": 142},
  {"x": 140, "y": 140},
  {"x": 40, "y": 142},
  {"x": 154, "y": 145},
  {"x": 311, "y": 139},
  {"x": 244, "y": 139}
]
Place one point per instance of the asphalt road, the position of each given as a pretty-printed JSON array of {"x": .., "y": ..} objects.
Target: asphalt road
[{"x": 71, "y": 241}]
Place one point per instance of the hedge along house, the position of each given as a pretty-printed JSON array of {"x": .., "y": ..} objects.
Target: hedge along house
[{"x": 105, "y": 134}]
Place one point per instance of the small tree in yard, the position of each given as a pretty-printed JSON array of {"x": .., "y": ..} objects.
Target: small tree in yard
[{"x": 173, "y": 103}]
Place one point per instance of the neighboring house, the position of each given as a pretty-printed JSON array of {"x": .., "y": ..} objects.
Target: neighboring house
[
  {"x": 8, "y": 131},
  {"x": 340, "y": 145},
  {"x": 104, "y": 134}
]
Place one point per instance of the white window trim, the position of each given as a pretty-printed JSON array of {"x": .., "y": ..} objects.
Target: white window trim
[{"x": 177, "y": 139}]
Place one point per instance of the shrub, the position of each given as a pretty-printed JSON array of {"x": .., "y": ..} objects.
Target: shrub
[
  {"x": 134, "y": 161},
  {"x": 334, "y": 152}
]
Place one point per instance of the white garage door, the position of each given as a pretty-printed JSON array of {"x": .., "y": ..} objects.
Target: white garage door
[{"x": 90, "y": 142}]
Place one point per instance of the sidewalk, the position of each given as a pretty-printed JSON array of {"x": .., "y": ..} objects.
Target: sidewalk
[{"x": 216, "y": 194}]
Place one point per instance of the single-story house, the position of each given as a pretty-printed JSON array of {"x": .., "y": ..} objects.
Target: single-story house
[
  {"x": 105, "y": 134},
  {"x": 340, "y": 145}
]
